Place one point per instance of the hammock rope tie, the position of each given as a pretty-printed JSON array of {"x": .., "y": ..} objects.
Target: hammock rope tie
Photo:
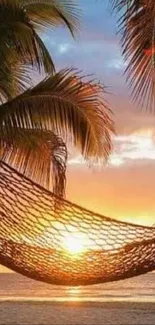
[{"x": 50, "y": 239}]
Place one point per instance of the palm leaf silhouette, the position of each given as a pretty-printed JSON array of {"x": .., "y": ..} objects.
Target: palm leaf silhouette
[
  {"x": 137, "y": 26},
  {"x": 22, "y": 20},
  {"x": 40, "y": 155},
  {"x": 68, "y": 106}
]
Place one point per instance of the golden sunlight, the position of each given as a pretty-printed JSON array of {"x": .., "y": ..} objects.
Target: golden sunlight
[{"x": 74, "y": 245}]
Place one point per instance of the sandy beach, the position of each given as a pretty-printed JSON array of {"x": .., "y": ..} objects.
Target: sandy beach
[
  {"x": 77, "y": 313},
  {"x": 27, "y": 302}
]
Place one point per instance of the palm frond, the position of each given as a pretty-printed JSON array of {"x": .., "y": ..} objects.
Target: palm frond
[
  {"x": 137, "y": 26},
  {"x": 67, "y": 105},
  {"x": 40, "y": 155},
  {"x": 120, "y": 4},
  {"x": 124, "y": 5},
  {"x": 14, "y": 78},
  {"x": 18, "y": 33},
  {"x": 20, "y": 22},
  {"x": 47, "y": 13}
]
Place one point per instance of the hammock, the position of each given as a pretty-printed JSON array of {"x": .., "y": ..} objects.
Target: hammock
[{"x": 50, "y": 239}]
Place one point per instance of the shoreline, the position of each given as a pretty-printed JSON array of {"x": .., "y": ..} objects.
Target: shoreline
[
  {"x": 106, "y": 304},
  {"x": 82, "y": 300}
]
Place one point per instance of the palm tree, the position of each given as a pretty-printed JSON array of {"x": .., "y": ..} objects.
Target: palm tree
[
  {"x": 22, "y": 21},
  {"x": 64, "y": 105},
  {"x": 137, "y": 26}
]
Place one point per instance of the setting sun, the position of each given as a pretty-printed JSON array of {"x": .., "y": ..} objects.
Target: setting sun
[{"x": 74, "y": 245}]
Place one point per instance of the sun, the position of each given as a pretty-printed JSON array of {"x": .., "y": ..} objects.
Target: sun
[
  {"x": 74, "y": 245},
  {"x": 73, "y": 242}
]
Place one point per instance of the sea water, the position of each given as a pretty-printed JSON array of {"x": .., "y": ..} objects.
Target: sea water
[{"x": 17, "y": 287}]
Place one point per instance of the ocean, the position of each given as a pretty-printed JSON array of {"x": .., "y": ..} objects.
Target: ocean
[{"x": 24, "y": 301}]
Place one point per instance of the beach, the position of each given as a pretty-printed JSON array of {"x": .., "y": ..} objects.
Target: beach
[
  {"x": 77, "y": 313},
  {"x": 27, "y": 302}
]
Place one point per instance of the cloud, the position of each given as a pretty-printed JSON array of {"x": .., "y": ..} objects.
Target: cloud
[
  {"x": 96, "y": 48},
  {"x": 64, "y": 48},
  {"x": 128, "y": 149},
  {"x": 116, "y": 63}
]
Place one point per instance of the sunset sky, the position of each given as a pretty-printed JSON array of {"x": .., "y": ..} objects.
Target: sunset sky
[{"x": 125, "y": 188}]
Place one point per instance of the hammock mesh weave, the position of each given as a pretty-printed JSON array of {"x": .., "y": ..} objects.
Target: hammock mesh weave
[{"x": 52, "y": 240}]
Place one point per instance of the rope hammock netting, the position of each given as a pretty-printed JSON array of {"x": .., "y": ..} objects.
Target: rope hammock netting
[{"x": 50, "y": 239}]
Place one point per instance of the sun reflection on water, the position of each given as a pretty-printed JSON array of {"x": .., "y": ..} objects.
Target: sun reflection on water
[{"x": 74, "y": 293}]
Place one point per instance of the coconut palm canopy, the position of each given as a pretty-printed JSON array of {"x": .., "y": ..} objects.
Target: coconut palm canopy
[
  {"x": 137, "y": 26},
  {"x": 64, "y": 105},
  {"x": 21, "y": 20}
]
